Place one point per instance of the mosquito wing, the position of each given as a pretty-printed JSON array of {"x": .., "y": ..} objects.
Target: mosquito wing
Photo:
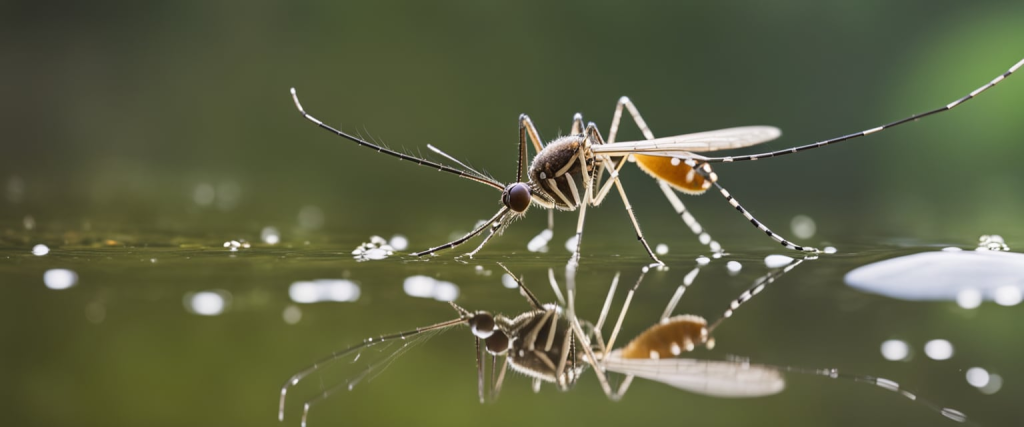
[
  {"x": 674, "y": 146},
  {"x": 708, "y": 377}
]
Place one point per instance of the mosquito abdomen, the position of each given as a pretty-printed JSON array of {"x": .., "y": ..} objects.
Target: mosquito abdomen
[
  {"x": 669, "y": 338},
  {"x": 675, "y": 172}
]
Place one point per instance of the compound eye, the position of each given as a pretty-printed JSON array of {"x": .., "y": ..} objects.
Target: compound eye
[
  {"x": 519, "y": 197},
  {"x": 482, "y": 325},
  {"x": 497, "y": 343}
]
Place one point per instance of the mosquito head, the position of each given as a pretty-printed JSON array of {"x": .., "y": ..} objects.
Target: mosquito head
[
  {"x": 482, "y": 324},
  {"x": 517, "y": 197}
]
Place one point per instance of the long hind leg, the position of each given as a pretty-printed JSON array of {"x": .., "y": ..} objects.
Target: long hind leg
[{"x": 669, "y": 193}]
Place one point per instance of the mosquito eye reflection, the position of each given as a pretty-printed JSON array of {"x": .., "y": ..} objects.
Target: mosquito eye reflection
[
  {"x": 482, "y": 325},
  {"x": 517, "y": 197},
  {"x": 497, "y": 343}
]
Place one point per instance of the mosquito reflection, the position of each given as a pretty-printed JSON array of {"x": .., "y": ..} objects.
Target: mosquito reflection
[{"x": 550, "y": 344}]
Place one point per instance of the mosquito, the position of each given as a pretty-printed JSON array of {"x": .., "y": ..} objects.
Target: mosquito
[
  {"x": 582, "y": 158},
  {"x": 548, "y": 344}
]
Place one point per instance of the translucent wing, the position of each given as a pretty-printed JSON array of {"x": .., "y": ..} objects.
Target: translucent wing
[
  {"x": 714, "y": 140},
  {"x": 708, "y": 377}
]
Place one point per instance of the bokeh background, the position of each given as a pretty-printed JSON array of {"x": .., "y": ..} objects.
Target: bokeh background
[{"x": 138, "y": 137}]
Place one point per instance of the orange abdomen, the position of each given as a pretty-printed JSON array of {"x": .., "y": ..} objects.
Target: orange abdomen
[
  {"x": 673, "y": 336},
  {"x": 673, "y": 171}
]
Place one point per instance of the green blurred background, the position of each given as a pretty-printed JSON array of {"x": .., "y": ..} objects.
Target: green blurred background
[{"x": 119, "y": 120}]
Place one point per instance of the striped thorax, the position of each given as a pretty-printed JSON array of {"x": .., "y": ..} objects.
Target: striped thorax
[{"x": 556, "y": 174}]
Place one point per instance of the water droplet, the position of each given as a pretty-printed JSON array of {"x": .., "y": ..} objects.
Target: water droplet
[
  {"x": 895, "y": 350},
  {"x": 803, "y": 227},
  {"x": 40, "y": 250},
  {"x": 60, "y": 278},
  {"x": 938, "y": 349},
  {"x": 777, "y": 261}
]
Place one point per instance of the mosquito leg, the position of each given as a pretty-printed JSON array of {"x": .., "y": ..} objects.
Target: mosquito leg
[
  {"x": 705, "y": 170},
  {"x": 759, "y": 285},
  {"x": 526, "y": 125},
  {"x": 622, "y": 314},
  {"x": 466, "y": 237},
  {"x": 495, "y": 226},
  {"x": 689, "y": 220},
  {"x": 575, "y": 259},
  {"x": 912, "y": 118},
  {"x": 480, "y": 362},
  {"x": 496, "y": 384},
  {"x": 614, "y": 176},
  {"x": 670, "y": 194},
  {"x": 594, "y": 135},
  {"x": 554, "y": 287},
  {"x": 523, "y": 290},
  {"x": 687, "y": 281},
  {"x": 577, "y": 124}
]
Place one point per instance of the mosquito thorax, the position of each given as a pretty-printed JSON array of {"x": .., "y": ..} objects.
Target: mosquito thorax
[{"x": 517, "y": 196}]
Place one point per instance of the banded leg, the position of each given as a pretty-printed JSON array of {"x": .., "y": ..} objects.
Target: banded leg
[
  {"x": 705, "y": 170},
  {"x": 759, "y": 285},
  {"x": 912, "y": 118},
  {"x": 670, "y": 194}
]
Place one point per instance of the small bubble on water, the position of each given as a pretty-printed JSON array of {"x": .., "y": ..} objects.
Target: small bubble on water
[
  {"x": 570, "y": 245},
  {"x": 703, "y": 260},
  {"x": 895, "y": 350},
  {"x": 733, "y": 267},
  {"x": 661, "y": 249},
  {"x": 292, "y": 314},
  {"x": 969, "y": 298},
  {"x": 803, "y": 227},
  {"x": 311, "y": 217},
  {"x": 1008, "y": 295},
  {"x": 207, "y": 303},
  {"x": 938, "y": 349},
  {"x": 777, "y": 261},
  {"x": 508, "y": 281},
  {"x": 60, "y": 278},
  {"x": 830, "y": 249},
  {"x": 995, "y": 382},
  {"x": 399, "y": 242},
  {"x": 40, "y": 250},
  {"x": 977, "y": 377},
  {"x": 204, "y": 194},
  {"x": 270, "y": 235}
]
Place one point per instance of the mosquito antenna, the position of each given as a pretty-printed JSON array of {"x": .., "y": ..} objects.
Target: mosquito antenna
[
  {"x": 872, "y": 130},
  {"x": 449, "y": 157},
  {"x": 759, "y": 285},
  {"x": 468, "y": 236},
  {"x": 381, "y": 149},
  {"x": 369, "y": 342},
  {"x": 886, "y": 384}
]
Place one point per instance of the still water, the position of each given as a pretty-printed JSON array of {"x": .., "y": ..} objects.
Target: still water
[{"x": 161, "y": 328}]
